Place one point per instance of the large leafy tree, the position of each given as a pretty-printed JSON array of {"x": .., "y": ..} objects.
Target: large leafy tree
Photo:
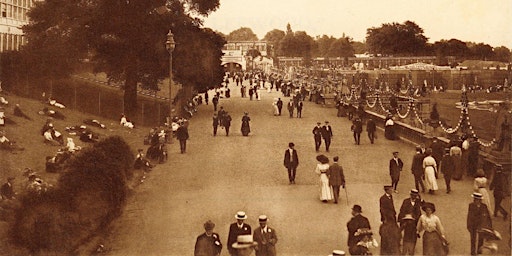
[
  {"x": 273, "y": 38},
  {"x": 323, "y": 44},
  {"x": 242, "y": 34},
  {"x": 481, "y": 51},
  {"x": 341, "y": 47},
  {"x": 126, "y": 39},
  {"x": 405, "y": 39},
  {"x": 502, "y": 53}
]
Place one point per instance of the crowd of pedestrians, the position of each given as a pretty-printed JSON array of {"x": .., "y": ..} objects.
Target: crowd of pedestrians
[{"x": 416, "y": 218}]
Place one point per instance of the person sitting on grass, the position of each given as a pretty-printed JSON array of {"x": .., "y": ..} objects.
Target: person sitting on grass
[
  {"x": 141, "y": 162},
  {"x": 53, "y": 137},
  {"x": 6, "y": 144},
  {"x": 125, "y": 122}
]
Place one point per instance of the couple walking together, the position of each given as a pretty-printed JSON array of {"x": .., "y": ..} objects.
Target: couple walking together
[{"x": 331, "y": 178}]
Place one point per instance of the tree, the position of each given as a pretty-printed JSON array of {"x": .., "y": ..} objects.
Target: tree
[
  {"x": 452, "y": 47},
  {"x": 359, "y": 47},
  {"x": 323, "y": 45},
  {"x": 396, "y": 39},
  {"x": 125, "y": 39},
  {"x": 242, "y": 34},
  {"x": 341, "y": 48},
  {"x": 502, "y": 54},
  {"x": 481, "y": 51},
  {"x": 273, "y": 38}
]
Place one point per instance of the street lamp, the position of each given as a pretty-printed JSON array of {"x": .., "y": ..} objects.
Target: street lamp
[{"x": 170, "y": 44}]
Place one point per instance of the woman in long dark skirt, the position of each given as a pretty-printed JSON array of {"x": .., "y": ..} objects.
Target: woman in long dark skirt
[
  {"x": 434, "y": 234},
  {"x": 246, "y": 128}
]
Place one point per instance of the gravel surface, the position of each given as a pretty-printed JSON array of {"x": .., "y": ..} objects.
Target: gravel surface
[{"x": 221, "y": 175}]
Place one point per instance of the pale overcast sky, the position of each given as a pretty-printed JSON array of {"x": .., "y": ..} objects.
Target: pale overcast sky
[{"x": 487, "y": 21}]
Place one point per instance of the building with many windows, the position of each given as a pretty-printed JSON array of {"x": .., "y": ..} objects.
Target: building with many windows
[{"x": 13, "y": 15}]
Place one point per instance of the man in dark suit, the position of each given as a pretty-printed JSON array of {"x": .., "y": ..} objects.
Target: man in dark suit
[
  {"x": 317, "y": 134},
  {"x": 417, "y": 169},
  {"x": 266, "y": 238},
  {"x": 358, "y": 221},
  {"x": 291, "y": 106},
  {"x": 327, "y": 135},
  {"x": 227, "y": 122},
  {"x": 300, "y": 106},
  {"x": 291, "y": 161},
  {"x": 236, "y": 229},
  {"x": 336, "y": 178},
  {"x": 279, "y": 105},
  {"x": 182, "y": 136},
  {"x": 447, "y": 169},
  {"x": 395, "y": 167},
  {"x": 7, "y": 190},
  {"x": 357, "y": 128},
  {"x": 215, "y": 102},
  {"x": 411, "y": 205},
  {"x": 371, "y": 128},
  {"x": 387, "y": 207},
  {"x": 208, "y": 243},
  {"x": 478, "y": 217}
]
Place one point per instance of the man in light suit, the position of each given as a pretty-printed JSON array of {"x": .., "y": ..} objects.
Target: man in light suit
[
  {"x": 336, "y": 178},
  {"x": 395, "y": 167},
  {"x": 265, "y": 237},
  {"x": 327, "y": 135},
  {"x": 237, "y": 229},
  {"x": 291, "y": 161}
]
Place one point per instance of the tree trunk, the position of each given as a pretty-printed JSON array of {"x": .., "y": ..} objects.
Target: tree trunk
[{"x": 130, "y": 90}]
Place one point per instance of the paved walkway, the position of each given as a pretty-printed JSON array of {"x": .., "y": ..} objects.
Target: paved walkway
[{"x": 219, "y": 176}]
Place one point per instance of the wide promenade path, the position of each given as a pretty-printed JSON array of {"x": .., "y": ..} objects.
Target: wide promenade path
[{"x": 221, "y": 175}]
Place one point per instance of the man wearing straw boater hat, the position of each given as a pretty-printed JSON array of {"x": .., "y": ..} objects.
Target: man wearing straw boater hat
[
  {"x": 265, "y": 237},
  {"x": 237, "y": 229},
  {"x": 244, "y": 245},
  {"x": 478, "y": 217},
  {"x": 337, "y": 253}
]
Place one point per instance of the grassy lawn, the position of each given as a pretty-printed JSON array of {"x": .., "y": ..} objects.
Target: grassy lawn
[{"x": 27, "y": 134}]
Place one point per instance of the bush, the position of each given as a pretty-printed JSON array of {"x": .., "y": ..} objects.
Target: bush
[{"x": 89, "y": 195}]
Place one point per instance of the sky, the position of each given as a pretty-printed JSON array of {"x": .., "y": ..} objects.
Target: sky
[{"x": 480, "y": 21}]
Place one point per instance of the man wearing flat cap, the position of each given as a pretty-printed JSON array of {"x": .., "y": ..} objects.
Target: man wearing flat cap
[
  {"x": 317, "y": 134},
  {"x": 208, "y": 243},
  {"x": 265, "y": 237},
  {"x": 395, "y": 167},
  {"x": 237, "y": 229},
  {"x": 387, "y": 207},
  {"x": 358, "y": 221},
  {"x": 478, "y": 217}
]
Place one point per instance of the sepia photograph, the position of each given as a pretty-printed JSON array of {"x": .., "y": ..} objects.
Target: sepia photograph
[{"x": 255, "y": 128}]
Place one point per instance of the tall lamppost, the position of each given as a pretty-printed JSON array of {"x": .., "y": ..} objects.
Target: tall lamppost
[{"x": 170, "y": 44}]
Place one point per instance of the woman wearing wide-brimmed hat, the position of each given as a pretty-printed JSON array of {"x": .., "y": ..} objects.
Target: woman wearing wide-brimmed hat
[
  {"x": 433, "y": 235},
  {"x": 321, "y": 169}
]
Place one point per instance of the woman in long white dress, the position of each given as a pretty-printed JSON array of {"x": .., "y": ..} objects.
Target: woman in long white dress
[
  {"x": 275, "y": 108},
  {"x": 430, "y": 168},
  {"x": 321, "y": 169},
  {"x": 480, "y": 186}
]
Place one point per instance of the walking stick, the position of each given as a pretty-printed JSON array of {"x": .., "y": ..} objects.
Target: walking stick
[{"x": 346, "y": 194}]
